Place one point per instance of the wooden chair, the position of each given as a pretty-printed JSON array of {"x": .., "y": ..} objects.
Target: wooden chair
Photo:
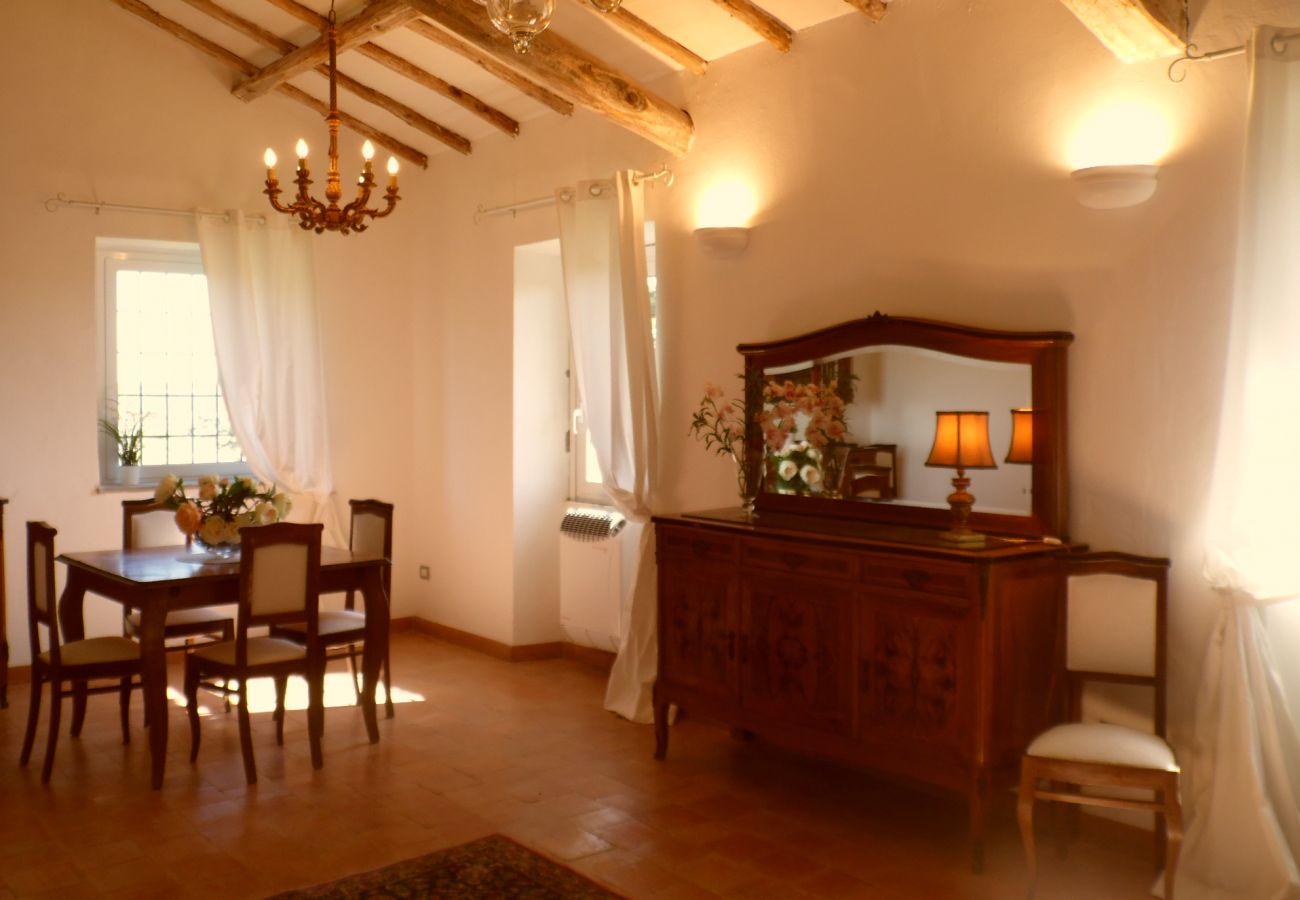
[
  {"x": 1113, "y": 633},
  {"x": 343, "y": 631},
  {"x": 76, "y": 661},
  {"x": 279, "y": 584},
  {"x": 149, "y": 524}
]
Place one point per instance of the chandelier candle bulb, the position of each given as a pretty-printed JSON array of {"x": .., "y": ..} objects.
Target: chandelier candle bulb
[
  {"x": 367, "y": 151},
  {"x": 392, "y": 171},
  {"x": 301, "y": 149},
  {"x": 269, "y": 158}
]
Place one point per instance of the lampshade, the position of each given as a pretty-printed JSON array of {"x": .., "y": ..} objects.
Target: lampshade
[
  {"x": 961, "y": 441},
  {"x": 1022, "y": 436},
  {"x": 522, "y": 20}
]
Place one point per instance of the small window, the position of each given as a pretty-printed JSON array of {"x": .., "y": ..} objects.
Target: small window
[{"x": 160, "y": 366}]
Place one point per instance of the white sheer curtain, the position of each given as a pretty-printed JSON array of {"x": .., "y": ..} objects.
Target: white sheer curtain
[
  {"x": 1243, "y": 840},
  {"x": 602, "y": 247},
  {"x": 262, "y": 292}
]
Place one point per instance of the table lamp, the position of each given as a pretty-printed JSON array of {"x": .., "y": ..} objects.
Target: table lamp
[
  {"x": 961, "y": 442},
  {"x": 1022, "y": 436}
]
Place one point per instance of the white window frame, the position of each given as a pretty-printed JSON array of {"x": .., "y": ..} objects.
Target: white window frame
[{"x": 112, "y": 255}]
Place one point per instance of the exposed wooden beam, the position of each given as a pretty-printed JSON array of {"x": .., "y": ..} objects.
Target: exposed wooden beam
[
  {"x": 874, "y": 9},
  {"x": 411, "y": 117},
  {"x": 1134, "y": 30},
  {"x": 490, "y": 65},
  {"x": 380, "y": 16},
  {"x": 655, "y": 39},
  {"x": 766, "y": 25},
  {"x": 405, "y": 67},
  {"x": 243, "y": 66},
  {"x": 570, "y": 70}
]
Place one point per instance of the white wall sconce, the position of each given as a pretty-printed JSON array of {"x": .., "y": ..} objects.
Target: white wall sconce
[
  {"x": 1114, "y": 187},
  {"x": 723, "y": 242}
]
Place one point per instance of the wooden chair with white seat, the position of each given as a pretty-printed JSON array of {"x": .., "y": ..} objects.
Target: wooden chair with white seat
[
  {"x": 343, "y": 631},
  {"x": 279, "y": 584},
  {"x": 1113, "y": 634},
  {"x": 80, "y": 661},
  {"x": 146, "y": 523}
]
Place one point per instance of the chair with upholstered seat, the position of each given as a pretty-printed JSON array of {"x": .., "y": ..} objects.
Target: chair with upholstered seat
[
  {"x": 80, "y": 661},
  {"x": 343, "y": 631},
  {"x": 146, "y": 523},
  {"x": 279, "y": 584},
  {"x": 1112, "y": 646}
]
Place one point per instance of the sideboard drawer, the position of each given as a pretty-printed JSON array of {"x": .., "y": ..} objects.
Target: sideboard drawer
[
  {"x": 697, "y": 544},
  {"x": 798, "y": 559},
  {"x": 928, "y": 576}
]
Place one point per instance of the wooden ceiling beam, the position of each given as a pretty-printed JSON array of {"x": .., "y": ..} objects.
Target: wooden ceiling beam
[
  {"x": 380, "y": 16},
  {"x": 873, "y": 9},
  {"x": 1134, "y": 30},
  {"x": 489, "y": 64},
  {"x": 244, "y": 67},
  {"x": 405, "y": 67},
  {"x": 653, "y": 38},
  {"x": 411, "y": 117},
  {"x": 764, "y": 24},
  {"x": 569, "y": 70}
]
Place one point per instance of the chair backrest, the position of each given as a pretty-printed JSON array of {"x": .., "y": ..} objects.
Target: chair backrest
[
  {"x": 1115, "y": 608},
  {"x": 146, "y": 523},
  {"x": 279, "y": 579},
  {"x": 372, "y": 532},
  {"x": 42, "y": 609}
]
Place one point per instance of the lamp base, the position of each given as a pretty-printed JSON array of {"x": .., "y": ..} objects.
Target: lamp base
[{"x": 964, "y": 538}]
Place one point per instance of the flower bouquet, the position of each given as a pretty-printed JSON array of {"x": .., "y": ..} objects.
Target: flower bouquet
[
  {"x": 803, "y": 429},
  {"x": 720, "y": 423},
  {"x": 221, "y": 509}
]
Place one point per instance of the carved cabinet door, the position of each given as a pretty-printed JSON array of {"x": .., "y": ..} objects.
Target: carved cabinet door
[
  {"x": 797, "y": 652},
  {"x": 697, "y": 627},
  {"x": 916, "y": 675}
]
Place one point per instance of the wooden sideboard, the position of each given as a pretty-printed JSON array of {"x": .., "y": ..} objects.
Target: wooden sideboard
[
  {"x": 4, "y": 637},
  {"x": 876, "y": 645}
]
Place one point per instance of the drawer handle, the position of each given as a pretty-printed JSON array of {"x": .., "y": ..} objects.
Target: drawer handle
[{"x": 916, "y": 579}]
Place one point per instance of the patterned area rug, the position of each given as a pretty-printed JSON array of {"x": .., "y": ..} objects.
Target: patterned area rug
[{"x": 494, "y": 866}]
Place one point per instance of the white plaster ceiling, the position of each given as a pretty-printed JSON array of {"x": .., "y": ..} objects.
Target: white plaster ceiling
[{"x": 701, "y": 26}]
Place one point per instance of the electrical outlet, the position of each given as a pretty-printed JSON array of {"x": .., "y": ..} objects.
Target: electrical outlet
[{"x": 424, "y": 572}]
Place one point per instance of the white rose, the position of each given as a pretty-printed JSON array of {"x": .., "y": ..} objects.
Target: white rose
[
  {"x": 215, "y": 530},
  {"x": 814, "y": 454},
  {"x": 787, "y": 469},
  {"x": 811, "y": 475},
  {"x": 265, "y": 514},
  {"x": 166, "y": 487},
  {"x": 282, "y": 505},
  {"x": 207, "y": 479}
]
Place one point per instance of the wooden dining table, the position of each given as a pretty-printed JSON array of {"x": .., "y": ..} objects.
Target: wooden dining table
[{"x": 157, "y": 580}]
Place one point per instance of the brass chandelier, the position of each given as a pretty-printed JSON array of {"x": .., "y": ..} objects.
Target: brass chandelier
[
  {"x": 523, "y": 20},
  {"x": 313, "y": 215}
]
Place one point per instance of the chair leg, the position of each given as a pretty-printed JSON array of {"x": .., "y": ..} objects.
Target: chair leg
[
  {"x": 388, "y": 687},
  {"x": 316, "y": 711},
  {"x": 124, "y": 704},
  {"x": 281, "y": 683},
  {"x": 33, "y": 715},
  {"x": 352, "y": 664},
  {"x": 78, "y": 707},
  {"x": 227, "y": 634},
  {"x": 1173, "y": 834},
  {"x": 56, "y": 704},
  {"x": 246, "y": 735},
  {"x": 1025, "y": 814},
  {"x": 192, "y": 705}
]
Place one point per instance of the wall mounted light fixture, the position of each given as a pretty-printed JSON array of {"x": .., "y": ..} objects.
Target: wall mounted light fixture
[
  {"x": 1114, "y": 187},
  {"x": 723, "y": 241},
  {"x": 723, "y": 214}
]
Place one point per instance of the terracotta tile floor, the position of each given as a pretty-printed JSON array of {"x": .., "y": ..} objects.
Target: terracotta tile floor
[{"x": 524, "y": 749}]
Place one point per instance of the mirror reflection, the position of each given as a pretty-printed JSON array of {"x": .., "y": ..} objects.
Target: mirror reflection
[{"x": 860, "y": 425}]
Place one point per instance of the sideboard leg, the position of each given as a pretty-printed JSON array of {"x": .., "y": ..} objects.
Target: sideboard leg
[
  {"x": 979, "y": 801},
  {"x": 661, "y": 728}
]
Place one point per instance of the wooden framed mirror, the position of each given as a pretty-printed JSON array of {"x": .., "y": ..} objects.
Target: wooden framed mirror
[{"x": 878, "y": 384}]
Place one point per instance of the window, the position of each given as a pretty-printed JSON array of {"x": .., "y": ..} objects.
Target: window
[
  {"x": 160, "y": 367},
  {"x": 586, "y": 483}
]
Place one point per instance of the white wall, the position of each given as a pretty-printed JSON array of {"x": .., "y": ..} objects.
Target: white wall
[{"x": 917, "y": 167}]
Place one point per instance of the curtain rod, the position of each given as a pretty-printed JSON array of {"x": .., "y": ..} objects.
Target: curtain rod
[
  {"x": 1191, "y": 54},
  {"x": 663, "y": 173},
  {"x": 58, "y": 200}
]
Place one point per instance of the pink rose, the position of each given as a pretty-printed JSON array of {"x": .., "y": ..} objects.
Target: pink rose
[{"x": 188, "y": 517}]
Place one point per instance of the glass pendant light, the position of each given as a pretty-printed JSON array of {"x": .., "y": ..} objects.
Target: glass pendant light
[
  {"x": 522, "y": 20},
  {"x": 607, "y": 6}
]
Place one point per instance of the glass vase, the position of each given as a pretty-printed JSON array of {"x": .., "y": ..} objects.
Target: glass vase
[
  {"x": 225, "y": 550},
  {"x": 748, "y": 479},
  {"x": 834, "y": 459}
]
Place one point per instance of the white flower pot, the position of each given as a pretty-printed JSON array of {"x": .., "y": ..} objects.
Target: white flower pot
[{"x": 130, "y": 474}]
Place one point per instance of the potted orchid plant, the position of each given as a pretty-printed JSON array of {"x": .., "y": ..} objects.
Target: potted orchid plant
[
  {"x": 720, "y": 423},
  {"x": 127, "y": 434},
  {"x": 221, "y": 508}
]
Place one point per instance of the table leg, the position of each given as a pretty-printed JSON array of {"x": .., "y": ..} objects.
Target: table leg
[
  {"x": 153, "y": 658},
  {"x": 376, "y": 649}
]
